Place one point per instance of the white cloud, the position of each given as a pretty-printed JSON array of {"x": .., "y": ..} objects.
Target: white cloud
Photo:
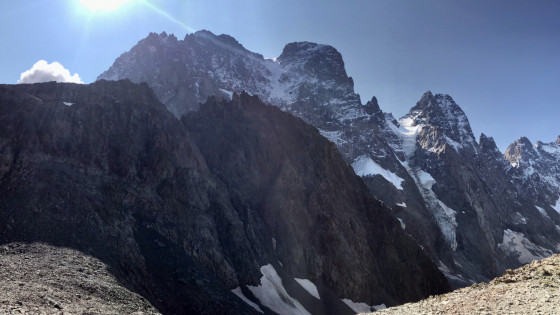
[{"x": 45, "y": 72}]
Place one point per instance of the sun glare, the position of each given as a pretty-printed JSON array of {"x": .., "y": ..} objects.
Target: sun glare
[{"x": 103, "y": 5}]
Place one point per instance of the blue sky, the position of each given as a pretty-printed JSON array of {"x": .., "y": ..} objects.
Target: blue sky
[{"x": 499, "y": 60}]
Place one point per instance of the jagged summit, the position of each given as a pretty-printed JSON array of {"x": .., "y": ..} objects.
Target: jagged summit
[
  {"x": 321, "y": 61},
  {"x": 520, "y": 150},
  {"x": 447, "y": 123},
  {"x": 372, "y": 107},
  {"x": 487, "y": 144}
]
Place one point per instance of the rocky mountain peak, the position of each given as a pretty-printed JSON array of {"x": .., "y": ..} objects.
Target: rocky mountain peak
[
  {"x": 520, "y": 150},
  {"x": 444, "y": 122},
  {"x": 321, "y": 61},
  {"x": 372, "y": 107},
  {"x": 558, "y": 140},
  {"x": 487, "y": 144}
]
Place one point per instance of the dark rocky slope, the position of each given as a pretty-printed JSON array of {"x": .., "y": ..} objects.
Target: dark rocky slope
[{"x": 183, "y": 212}]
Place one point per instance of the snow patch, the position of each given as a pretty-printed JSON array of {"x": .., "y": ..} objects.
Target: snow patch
[
  {"x": 272, "y": 294},
  {"x": 526, "y": 251},
  {"x": 425, "y": 179},
  {"x": 309, "y": 287},
  {"x": 543, "y": 212},
  {"x": 364, "y": 166},
  {"x": 228, "y": 93},
  {"x": 518, "y": 218},
  {"x": 402, "y": 204},
  {"x": 67, "y": 103},
  {"x": 407, "y": 132},
  {"x": 403, "y": 226},
  {"x": 237, "y": 291}
]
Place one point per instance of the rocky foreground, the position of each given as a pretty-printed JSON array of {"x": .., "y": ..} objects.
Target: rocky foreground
[
  {"x": 43, "y": 279},
  {"x": 532, "y": 289}
]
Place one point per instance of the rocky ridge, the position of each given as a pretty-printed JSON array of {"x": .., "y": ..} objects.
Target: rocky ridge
[{"x": 531, "y": 289}]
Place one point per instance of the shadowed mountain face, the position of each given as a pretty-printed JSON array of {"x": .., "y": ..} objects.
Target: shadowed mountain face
[
  {"x": 232, "y": 197},
  {"x": 460, "y": 199}
]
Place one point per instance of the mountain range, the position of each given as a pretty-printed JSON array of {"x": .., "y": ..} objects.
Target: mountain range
[
  {"x": 474, "y": 210},
  {"x": 209, "y": 179}
]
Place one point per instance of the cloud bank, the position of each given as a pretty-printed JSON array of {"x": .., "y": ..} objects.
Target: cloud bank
[{"x": 45, "y": 72}]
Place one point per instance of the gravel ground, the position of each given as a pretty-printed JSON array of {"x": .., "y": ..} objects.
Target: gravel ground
[
  {"x": 532, "y": 289},
  {"x": 42, "y": 279}
]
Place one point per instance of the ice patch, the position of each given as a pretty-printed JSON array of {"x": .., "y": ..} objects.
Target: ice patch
[
  {"x": 363, "y": 307},
  {"x": 557, "y": 205},
  {"x": 402, "y": 204},
  {"x": 67, "y": 103},
  {"x": 309, "y": 287},
  {"x": 237, "y": 291},
  {"x": 272, "y": 294},
  {"x": 526, "y": 251},
  {"x": 364, "y": 166}
]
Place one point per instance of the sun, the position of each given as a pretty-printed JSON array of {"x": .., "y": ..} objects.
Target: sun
[{"x": 103, "y": 5}]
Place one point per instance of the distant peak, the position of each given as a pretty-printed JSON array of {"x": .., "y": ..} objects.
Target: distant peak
[
  {"x": 301, "y": 49},
  {"x": 429, "y": 100},
  {"x": 558, "y": 140},
  {"x": 524, "y": 141},
  {"x": 220, "y": 40},
  {"x": 204, "y": 33},
  {"x": 487, "y": 144},
  {"x": 372, "y": 106}
]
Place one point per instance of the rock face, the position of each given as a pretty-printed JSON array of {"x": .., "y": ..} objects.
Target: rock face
[
  {"x": 228, "y": 210},
  {"x": 454, "y": 195},
  {"x": 532, "y": 289}
]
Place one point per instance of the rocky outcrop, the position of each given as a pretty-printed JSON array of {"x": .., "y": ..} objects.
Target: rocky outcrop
[
  {"x": 532, "y": 289},
  {"x": 213, "y": 213}
]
